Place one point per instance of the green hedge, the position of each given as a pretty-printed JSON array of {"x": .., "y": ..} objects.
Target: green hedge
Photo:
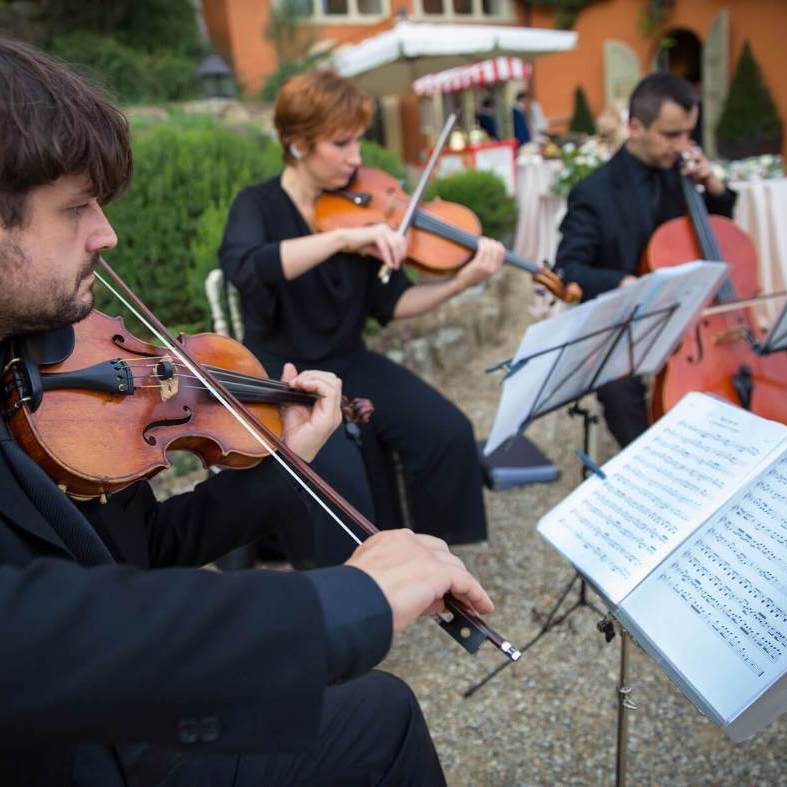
[
  {"x": 132, "y": 75},
  {"x": 187, "y": 170},
  {"x": 170, "y": 222},
  {"x": 482, "y": 192}
]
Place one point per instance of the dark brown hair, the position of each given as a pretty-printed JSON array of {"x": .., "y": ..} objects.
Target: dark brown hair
[
  {"x": 652, "y": 91},
  {"x": 316, "y": 105},
  {"x": 54, "y": 122}
]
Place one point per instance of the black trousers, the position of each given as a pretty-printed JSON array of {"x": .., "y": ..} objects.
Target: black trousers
[
  {"x": 625, "y": 409},
  {"x": 435, "y": 443},
  {"x": 372, "y": 733}
]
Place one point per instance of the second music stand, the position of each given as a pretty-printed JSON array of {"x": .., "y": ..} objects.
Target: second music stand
[{"x": 627, "y": 332}]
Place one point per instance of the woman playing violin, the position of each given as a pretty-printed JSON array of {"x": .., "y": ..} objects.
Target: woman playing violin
[{"x": 307, "y": 296}]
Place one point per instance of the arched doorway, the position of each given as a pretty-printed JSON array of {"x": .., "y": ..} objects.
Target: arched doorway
[{"x": 680, "y": 52}]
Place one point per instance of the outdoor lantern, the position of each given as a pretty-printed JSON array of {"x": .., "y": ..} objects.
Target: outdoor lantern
[{"x": 216, "y": 78}]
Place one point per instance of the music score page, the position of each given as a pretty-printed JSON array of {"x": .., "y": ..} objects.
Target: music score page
[
  {"x": 658, "y": 491},
  {"x": 721, "y": 600}
]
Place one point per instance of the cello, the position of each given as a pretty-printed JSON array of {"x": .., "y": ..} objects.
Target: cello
[{"x": 718, "y": 353}]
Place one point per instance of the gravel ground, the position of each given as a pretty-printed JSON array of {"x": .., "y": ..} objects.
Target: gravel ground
[{"x": 551, "y": 718}]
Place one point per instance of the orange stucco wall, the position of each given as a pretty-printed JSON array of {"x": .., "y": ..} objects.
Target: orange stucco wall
[
  {"x": 242, "y": 23},
  {"x": 762, "y": 22},
  {"x": 238, "y": 25}
]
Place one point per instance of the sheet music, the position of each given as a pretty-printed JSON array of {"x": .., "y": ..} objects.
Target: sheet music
[
  {"x": 717, "y": 608},
  {"x": 657, "y": 490},
  {"x": 564, "y": 354},
  {"x": 777, "y": 336},
  {"x": 689, "y": 286}
]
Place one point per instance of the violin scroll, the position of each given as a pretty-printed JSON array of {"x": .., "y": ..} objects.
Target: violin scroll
[{"x": 568, "y": 292}]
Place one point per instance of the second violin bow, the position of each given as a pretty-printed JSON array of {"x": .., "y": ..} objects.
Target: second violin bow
[{"x": 418, "y": 193}]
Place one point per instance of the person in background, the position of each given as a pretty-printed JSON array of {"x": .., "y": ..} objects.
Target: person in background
[
  {"x": 520, "y": 117},
  {"x": 307, "y": 296},
  {"x": 486, "y": 119},
  {"x": 530, "y": 123}
]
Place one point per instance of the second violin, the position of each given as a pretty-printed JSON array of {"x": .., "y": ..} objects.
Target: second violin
[{"x": 443, "y": 236}]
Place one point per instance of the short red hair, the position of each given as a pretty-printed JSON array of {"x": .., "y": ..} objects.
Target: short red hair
[{"x": 316, "y": 105}]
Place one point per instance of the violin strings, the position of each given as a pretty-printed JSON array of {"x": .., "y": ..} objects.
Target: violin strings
[
  {"x": 226, "y": 404},
  {"x": 245, "y": 381},
  {"x": 222, "y": 374}
]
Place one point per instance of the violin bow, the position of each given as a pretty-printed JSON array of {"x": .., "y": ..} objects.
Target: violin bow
[
  {"x": 467, "y": 628},
  {"x": 415, "y": 199},
  {"x": 568, "y": 292}
]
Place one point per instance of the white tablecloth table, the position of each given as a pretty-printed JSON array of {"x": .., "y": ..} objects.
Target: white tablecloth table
[
  {"x": 761, "y": 210},
  {"x": 539, "y": 210}
]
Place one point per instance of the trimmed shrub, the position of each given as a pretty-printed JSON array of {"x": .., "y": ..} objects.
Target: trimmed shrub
[
  {"x": 169, "y": 224},
  {"x": 484, "y": 193},
  {"x": 377, "y": 156},
  {"x": 749, "y": 124},
  {"x": 581, "y": 118}
]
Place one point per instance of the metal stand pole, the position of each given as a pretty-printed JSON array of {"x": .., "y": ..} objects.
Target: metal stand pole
[
  {"x": 589, "y": 419},
  {"x": 625, "y": 703}
]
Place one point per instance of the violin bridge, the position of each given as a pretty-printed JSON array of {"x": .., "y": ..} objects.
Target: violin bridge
[{"x": 168, "y": 380}]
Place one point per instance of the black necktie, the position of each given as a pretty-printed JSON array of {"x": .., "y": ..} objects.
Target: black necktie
[
  {"x": 58, "y": 511},
  {"x": 654, "y": 196}
]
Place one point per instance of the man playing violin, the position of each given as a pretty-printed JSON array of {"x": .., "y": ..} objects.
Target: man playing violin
[
  {"x": 613, "y": 212},
  {"x": 115, "y": 675},
  {"x": 307, "y": 297}
]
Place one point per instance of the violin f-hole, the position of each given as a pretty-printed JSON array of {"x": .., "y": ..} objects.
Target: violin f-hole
[{"x": 150, "y": 439}]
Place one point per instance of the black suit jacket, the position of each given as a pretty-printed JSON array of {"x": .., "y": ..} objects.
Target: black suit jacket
[
  {"x": 604, "y": 231},
  {"x": 183, "y": 660}
]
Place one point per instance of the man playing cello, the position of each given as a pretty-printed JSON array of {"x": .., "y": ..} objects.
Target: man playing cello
[{"x": 613, "y": 212}]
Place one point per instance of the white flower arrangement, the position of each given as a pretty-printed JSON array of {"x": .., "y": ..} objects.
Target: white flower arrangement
[
  {"x": 577, "y": 163},
  {"x": 753, "y": 168}
]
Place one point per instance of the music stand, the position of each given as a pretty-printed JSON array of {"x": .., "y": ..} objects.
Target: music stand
[
  {"x": 628, "y": 331},
  {"x": 776, "y": 340}
]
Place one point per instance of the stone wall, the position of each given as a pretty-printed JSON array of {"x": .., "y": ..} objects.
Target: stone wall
[{"x": 448, "y": 337}]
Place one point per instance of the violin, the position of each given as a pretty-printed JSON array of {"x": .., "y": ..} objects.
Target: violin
[
  {"x": 718, "y": 353},
  {"x": 95, "y": 397},
  {"x": 443, "y": 236},
  {"x": 92, "y": 396}
]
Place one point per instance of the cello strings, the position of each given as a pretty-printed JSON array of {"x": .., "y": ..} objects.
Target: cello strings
[{"x": 227, "y": 405}]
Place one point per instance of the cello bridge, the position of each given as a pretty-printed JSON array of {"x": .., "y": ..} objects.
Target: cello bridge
[{"x": 731, "y": 336}]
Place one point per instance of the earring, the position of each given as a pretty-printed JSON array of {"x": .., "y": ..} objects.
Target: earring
[{"x": 296, "y": 152}]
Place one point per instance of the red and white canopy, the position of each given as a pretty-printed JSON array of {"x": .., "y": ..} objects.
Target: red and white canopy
[{"x": 487, "y": 72}]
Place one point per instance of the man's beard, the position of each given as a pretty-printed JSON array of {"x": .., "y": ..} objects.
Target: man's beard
[{"x": 22, "y": 311}]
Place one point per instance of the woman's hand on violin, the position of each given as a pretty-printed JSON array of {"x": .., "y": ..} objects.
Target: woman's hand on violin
[
  {"x": 376, "y": 240},
  {"x": 487, "y": 261},
  {"x": 307, "y": 428},
  {"x": 414, "y": 572}
]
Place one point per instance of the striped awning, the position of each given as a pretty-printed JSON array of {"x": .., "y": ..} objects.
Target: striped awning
[{"x": 487, "y": 72}]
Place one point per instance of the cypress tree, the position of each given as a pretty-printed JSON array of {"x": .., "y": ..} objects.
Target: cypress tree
[
  {"x": 749, "y": 124},
  {"x": 581, "y": 119}
]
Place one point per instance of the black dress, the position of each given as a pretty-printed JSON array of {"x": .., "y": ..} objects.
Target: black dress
[{"x": 317, "y": 321}]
